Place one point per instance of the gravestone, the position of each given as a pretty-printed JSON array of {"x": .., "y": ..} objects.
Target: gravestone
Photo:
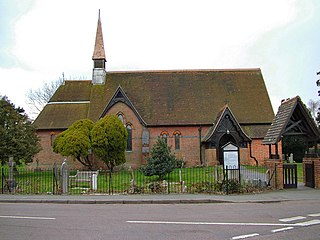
[
  {"x": 291, "y": 158},
  {"x": 64, "y": 176},
  {"x": 11, "y": 180}
]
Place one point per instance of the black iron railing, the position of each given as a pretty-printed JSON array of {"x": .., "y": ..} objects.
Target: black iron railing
[{"x": 181, "y": 180}]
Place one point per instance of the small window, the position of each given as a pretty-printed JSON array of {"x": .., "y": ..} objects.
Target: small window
[
  {"x": 129, "y": 140},
  {"x": 164, "y": 136},
  {"x": 177, "y": 136}
]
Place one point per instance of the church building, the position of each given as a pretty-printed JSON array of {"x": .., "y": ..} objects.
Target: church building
[{"x": 197, "y": 112}]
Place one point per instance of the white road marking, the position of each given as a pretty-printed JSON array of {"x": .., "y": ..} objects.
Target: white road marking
[
  {"x": 286, "y": 226},
  {"x": 246, "y": 236},
  {"x": 314, "y": 215},
  {"x": 281, "y": 229},
  {"x": 25, "y": 217},
  {"x": 214, "y": 223},
  {"x": 292, "y": 219},
  {"x": 308, "y": 223}
]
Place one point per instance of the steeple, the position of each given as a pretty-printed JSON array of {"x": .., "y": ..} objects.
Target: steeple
[
  {"x": 98, "y": 52},
  {"x": 99, "y": 57}
]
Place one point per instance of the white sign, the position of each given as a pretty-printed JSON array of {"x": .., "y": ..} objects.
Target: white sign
[{"x": 231, "y": 160}]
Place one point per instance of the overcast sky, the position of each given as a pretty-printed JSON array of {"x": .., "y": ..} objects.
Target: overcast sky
[{"x": 41, "y": 39}]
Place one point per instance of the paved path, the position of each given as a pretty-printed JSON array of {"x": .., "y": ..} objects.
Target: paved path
[
  {"x": 302, "y": 193},
  {"x": 251, "y": 174}
]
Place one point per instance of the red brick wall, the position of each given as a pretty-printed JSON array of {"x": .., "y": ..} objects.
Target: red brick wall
[
  {"x": 245, "y": 156},
  {"x": 261, "y": 152},
  {"x": 316, "y": 162},
  {"x": 189, "y": 142},
  {"x": 275, "y": 169},
  {"x": 46, "y": 157}
]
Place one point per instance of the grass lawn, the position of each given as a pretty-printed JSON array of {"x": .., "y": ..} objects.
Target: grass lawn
[
  {"x": 300, "y": 172},
  {"x": 121, "y": 180},
  {"x": 30, "y": 182}
]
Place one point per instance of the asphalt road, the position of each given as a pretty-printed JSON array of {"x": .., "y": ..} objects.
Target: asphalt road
[{"x": 285, "y": 220}]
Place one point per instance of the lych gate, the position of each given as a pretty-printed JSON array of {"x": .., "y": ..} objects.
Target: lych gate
[{"x": 292, "y": 119}]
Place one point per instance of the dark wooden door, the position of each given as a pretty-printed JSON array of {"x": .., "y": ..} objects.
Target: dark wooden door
[
  {"x": 309, "y": 171},
  {"x": 290, "y": 178}
]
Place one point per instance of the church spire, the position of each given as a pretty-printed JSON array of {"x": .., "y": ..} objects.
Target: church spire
[
  {"x": 99, "y": 57},
  {"x": 98, "y": 52}
]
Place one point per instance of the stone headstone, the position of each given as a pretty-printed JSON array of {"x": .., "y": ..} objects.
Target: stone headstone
[
  {"x": 11, "y": 180},
  {"x": 64, "y": 176},
  {"x": 291, "y": 158}
]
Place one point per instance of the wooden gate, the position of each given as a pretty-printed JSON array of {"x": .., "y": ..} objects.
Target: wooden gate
[
  {"x": 290, "y": 177},
  {"x": 309, "y": 171}
]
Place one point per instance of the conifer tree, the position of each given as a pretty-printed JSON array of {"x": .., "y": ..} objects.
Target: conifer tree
[
  {"x": 76, "y": 142},
  {"x": 18, "y": 137},
  {"x": 109, "y": 141},
  {"x": 161, "y": 160}
]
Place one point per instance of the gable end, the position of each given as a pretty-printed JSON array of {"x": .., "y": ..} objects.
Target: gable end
[{"x": 120, "y": 96}]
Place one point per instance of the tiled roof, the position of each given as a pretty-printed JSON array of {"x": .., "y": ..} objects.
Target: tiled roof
[
  {"x": 295, "y": 111},
  {"x": 177, "y": 97},
  {"x": 61, "y": 115},
  {"x": 256, "y": 131},
  {"x": 73, "y": 91}
]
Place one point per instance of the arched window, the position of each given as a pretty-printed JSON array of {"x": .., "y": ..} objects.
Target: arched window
[
  {"x": 52, "y": 138},
  {"x": 164, "y": 136},
  {"x": 121, "y": 117},
  {"x": 177, "y": 136},
  {"x": 129, "y": 140}
]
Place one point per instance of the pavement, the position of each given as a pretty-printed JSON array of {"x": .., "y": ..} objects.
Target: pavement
[{"x": 300, "y": 194}]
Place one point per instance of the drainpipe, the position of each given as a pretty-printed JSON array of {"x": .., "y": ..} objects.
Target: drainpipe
[
  {"x": 254, "y": 158},
  {"x": 200, "y": 143}
]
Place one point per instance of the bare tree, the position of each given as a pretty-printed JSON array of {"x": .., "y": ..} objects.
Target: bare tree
[
  {"x": 313, "y": 106},
  {"x": 38, "y": 98}
]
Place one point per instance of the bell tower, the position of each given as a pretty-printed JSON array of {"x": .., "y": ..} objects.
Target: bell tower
[{"x": 99, "y": 57}]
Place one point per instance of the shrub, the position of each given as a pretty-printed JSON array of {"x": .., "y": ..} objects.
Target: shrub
[
  {"x": 203, "y": 187},
  {"x": 228, "y": 186},
  {"x": 157, "y": 187},
  {"x": 161, "y": 160},
  {"x": 180, "y": 163}
]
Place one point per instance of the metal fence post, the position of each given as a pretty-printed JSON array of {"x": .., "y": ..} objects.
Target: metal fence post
[
  {"x": 110, "y": 179},
  {"x": 275, "y": 176},
  {"x": 56, "y": 180},
  {"x": 53, "y": 180},
  {"x": 168, "y": 183},
  {"x": 227, "y": 182},
  {"x": 2, "y": 178}
]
